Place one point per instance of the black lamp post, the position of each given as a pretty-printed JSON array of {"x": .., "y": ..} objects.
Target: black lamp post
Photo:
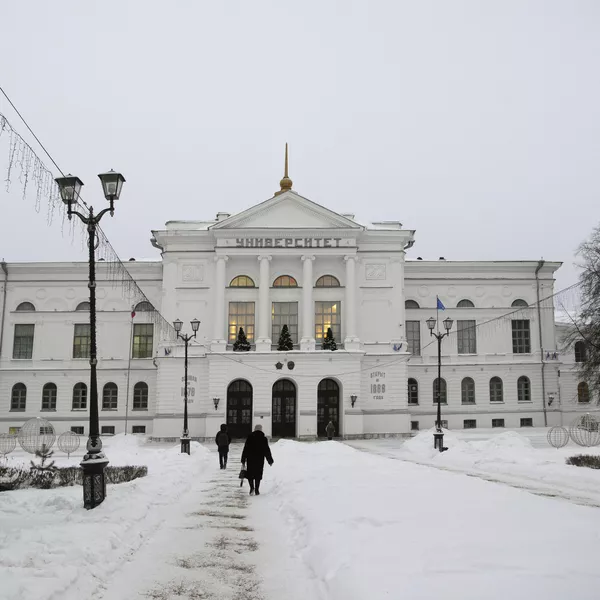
[
  {"x": 94, "y": 462},
  {"x": 438, "y": 436},
  {"x": 185, "y": 438}
]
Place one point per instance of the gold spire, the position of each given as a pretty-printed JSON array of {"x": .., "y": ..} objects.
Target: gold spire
[{"x": 286, "y": 182}]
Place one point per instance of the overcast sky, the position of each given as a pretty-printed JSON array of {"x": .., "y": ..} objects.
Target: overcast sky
[{"x": 475, "y": 123}]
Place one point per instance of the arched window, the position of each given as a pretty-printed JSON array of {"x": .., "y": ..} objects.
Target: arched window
[
  {"x": 49, "y": 393},
  {"x": 140, "y": 396},
  {"x": 580, "y": 352},
  {"x": 242, "y": 281},
  {"x": 467, "y": 391},
  {"x": 583, "y": 392},
  {"x": 413, "y": 391},
  {"x": 26, "y": 307},
  {"x": 519, "y": 302},
  {"x": 143, "y": 307},
  {"x": 411, "y": 304},
  {"x": 465, "y": 304},
  {"x": 496, "y": 390},
  {"x": 285, "y": 281},
  {"x": 18, "y": 397},
  {"x": 523, "y": 389},
  {"x": 79, "y": 396},
  {"x": 110, "y": 394},
  {"x": 327, "y": 281},
  {"x": 443, "y": 391},
  {"x": 83, "y": 306}
]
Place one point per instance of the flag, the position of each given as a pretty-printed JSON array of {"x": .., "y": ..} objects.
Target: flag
[
  {"x": 133, "y": 313},
  {"x": 440, "y": 306}
]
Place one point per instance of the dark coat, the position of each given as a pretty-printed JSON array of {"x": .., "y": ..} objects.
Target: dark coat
[
  {"x": 256, "y": 449},
  {"x": 224, "y": 448}
]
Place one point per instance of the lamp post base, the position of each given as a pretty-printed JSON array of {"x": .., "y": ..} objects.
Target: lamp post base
[
  {"x": 94, "y": 479},
  {"x": 438, "y": 441},
  {"x": 185, "y": 445}
]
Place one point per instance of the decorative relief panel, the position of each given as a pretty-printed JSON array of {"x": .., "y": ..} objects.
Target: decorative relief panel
[
  {"x": 375, "y": 272},
  {"x": 192, "y": 273}
]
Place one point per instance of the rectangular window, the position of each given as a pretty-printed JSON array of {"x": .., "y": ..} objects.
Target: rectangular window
[
  {"x": 469, "y": 424},
  {"x": 14, "y": 430},
  {"x": 138, "y": 429},
  {"x": 107, "y": 430},
  {"x": 413, "y": 337},
  {"x": 328, "y": 314},
  {"x": 414, "y": 425},
  {"x": 284, "y": 313},
  {"x": 143, "y": 334},
  {"x": 23, "y": 342},
  {"x": 47, "y": 430},
  {"x": 81, "y": 341},
  {"x": 497, "y": 422},
  {"x": 527, "y": 422},
  {"x": 78, "y": 430},
  {"x": 466, "y": 332},
  {"x": 241, "y": 314},
  {"x": 521, "y": 337},
  {"x": 413, "y": 391}
]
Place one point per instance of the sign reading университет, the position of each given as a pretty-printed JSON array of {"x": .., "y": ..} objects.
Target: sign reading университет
[{"x": 288, "y": 242}]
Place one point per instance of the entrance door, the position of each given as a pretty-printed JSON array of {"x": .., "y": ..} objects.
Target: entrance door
[
  {"x": 328, "y": 406},
  {"x": 284, "y": 408},
  {"x": 239, "y": 409}
]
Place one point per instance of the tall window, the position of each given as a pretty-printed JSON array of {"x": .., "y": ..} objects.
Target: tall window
[
  {"x": 25, "y": 307},
  {"x": 81, "y": 341},
  {"x": 327, "y": 281},
  {"x": 523, "y": 389},
  {"x": 285, "y": 313},
  {"x": 79, "y": 396},
  {"x": 583, "y": 392},
  {"x": 413, "y": 337},
  {"x": 580, "y": 352},
  {"x": 242, "y": 281},
  {"x": 521, "y": 337},
  {"x": 140, "y": 396},
  {"x": 285, "y": 281},
  {"x": 110, "y": 394},
  {"x": 143, "y": 334},
  {"x": 443, "y": 391},
  {"x": 328, "y": 314},
  {"x": 496, "y": 391},
  {"x": 23, "y": 342},
  {"x": 467, "y": 340},
  {"x": 467, "y": 391},
  {"x": 241, "y": 314},
  {"x": 49, "y": 393},
  {"x": 411, "y": 304},
  {"x": 413, "y": 391},
  {"x": 18, "y": 397},
  {"x": 465, "y": 304}
]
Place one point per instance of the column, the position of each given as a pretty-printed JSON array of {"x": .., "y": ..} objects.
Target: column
[
  {"x": 219, "y": 341},
  {"x": 351, "y": 341},
  {"x": 307, "y": 343},
  {"x": 263, "y": 342},
  {"x": 398, "y": 326}
]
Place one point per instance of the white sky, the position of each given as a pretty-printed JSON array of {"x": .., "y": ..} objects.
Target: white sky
[{"x": 475, "y": 123}]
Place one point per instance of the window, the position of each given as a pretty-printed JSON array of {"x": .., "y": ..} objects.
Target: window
[
  {"x": 411, "y": 304},
  {"x": 110, "y": 394},
  {"x": 469, "y": 424},
  {"x": 496, "y": 391},
  {"x": 328, "y": 314},
  {"x": 79, "y": 396},
  {"x": 138, "y": 429},
  {"x": 467, "y": 391},
  {"x": 583, "y": 392},
  {"x": 285, "y": 281},
  {"x": 14, "y": 430},
  {"x": 413, "y": 337},
  {"x": 49, "y": 393},
  {"x": 497, "y": 422},
  {"x": 521, "y": 338},
  {"x": 77, "y": 429},
  {"x": 107, "y": 430},
  {"x": 241, "y": 314},
  {"x": 580, "y": 352},
  {"x": 143, "y": 307},
  {"x": 18, "y": 397},
  {"x": 81, "y": 341},
  {"x": 527, "y": 422},
  {"x": 143, "y": 334},
  {"x": 327, "y": 281},
  {"x": 83, "y": 306},
  {"x": 413, "y": 391},
  {"x": 465, "y": 304},
  {"x": 442, "y": 389},
  {"x": 25, "y": 307},
  {"x": 523, "y": 389},
  {"x": 242, "y": 281},
  {"x": 284, "y": 313},
  {"x": 140, "y": 396},
  {"x": 519, "y": 302},
  {"x": 467, "y": 341},
  {"x": 414, "y": 425},
  {"x": 23, "y": 342}
]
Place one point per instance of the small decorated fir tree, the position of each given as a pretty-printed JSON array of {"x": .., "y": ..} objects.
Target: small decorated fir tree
[
  {"x": 285, "y": 340},
  {"x": 44, "y": 454},
  {"x": 241, "y": 344},
  {"x": 329, "y": 341}
]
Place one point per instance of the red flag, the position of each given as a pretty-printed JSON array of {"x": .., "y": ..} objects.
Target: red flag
[{"x": 132, "y": 314}]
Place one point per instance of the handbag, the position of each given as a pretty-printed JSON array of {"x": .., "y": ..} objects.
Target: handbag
[{"x": 243, "y": 475}]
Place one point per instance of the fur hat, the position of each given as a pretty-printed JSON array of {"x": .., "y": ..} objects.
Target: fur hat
[{"x": 258, "y": 427}]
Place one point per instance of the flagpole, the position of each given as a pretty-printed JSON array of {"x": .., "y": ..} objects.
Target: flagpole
[{"x": 129, "y": 368}]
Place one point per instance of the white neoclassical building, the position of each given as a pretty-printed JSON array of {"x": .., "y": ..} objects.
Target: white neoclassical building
[{"x": 288, "y": 261}]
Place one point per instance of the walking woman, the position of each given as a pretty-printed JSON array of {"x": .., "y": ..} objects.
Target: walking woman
[{"x": 256, "y": 449}]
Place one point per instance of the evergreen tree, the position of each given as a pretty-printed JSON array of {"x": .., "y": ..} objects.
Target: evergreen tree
[
  {"x": 329, "y": 341},
  {"x": 241, "y": 344},
  {"x": 285, "y": 340},
  {"x": 44, "y": 454}
]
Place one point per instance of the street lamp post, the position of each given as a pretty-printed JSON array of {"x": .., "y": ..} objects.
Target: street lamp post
[
  {"x": 94, "y": 461},
  {"x": 438, "y": 436},
  {"x": 185, "y": 438}
]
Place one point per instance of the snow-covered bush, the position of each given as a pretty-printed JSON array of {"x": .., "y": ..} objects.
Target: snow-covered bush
[{"x": 584, "y": 460}]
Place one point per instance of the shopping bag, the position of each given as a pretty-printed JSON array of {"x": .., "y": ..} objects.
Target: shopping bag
[{"x": 243, "y": 475}]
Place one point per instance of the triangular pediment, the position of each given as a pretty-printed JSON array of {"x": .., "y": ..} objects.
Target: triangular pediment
[{"x": 287, "y": 210}]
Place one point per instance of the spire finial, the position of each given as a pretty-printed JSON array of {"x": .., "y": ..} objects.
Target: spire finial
[{"x": 286, "y": 182}]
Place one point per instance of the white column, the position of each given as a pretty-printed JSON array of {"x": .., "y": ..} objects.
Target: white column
[
  {"x": 398, "y": 326},
  {"x": 263, "y": 343},
  {"x": 351, "y": 341},
  {"x": 307, "y": 343},
  {"x": 219, "y": 340}
]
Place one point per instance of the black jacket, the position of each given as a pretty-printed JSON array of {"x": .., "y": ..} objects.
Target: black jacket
[
  {"x": 256, "y": 449},
  {"x": 228, "y": 440}
]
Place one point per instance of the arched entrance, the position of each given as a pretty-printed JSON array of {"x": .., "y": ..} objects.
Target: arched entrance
[
  {"x": 328, "y": 406},
  {"x": 284, "y": 408},
  {"x": 239, "y": 409}
]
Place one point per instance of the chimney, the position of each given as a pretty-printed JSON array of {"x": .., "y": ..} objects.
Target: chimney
[{"x": 221, "y": 216}]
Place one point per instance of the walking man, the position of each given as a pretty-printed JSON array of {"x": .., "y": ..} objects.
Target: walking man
[
  {"x": 223, "y": 439},
  {"x": 256, "y": 449},
  {"x": 330, "y": 430}
]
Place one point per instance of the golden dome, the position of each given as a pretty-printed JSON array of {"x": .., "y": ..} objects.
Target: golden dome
[{"x": 286, "y": 182}]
